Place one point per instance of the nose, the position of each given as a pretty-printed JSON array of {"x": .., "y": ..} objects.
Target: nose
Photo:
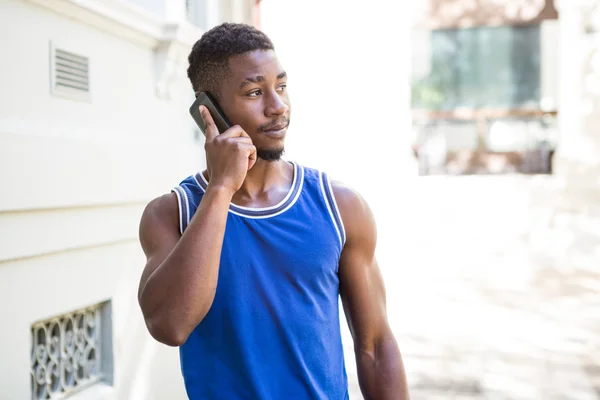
[{"x": 277, "y": 105}]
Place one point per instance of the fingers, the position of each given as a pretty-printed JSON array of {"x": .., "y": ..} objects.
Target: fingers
[
  {"x": 252, "y": 159},
  {"x": 211, "y": 131},
  {"x": 248, "y": 149},
  {"x": 250, "y": 152},
  {"x": 238, "y": 140},
  {"x": 243, "y": 144},
  {"x": 235, "y": 131}
]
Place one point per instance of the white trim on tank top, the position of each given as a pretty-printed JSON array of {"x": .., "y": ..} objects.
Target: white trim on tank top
[
  {"x": 298, "y": 175},
  {"x": 335, "y": 225},
  {"x": 179, "y": 207},
  {"x": 183, "y": 203},
  {"x": 337, "y": 211}
]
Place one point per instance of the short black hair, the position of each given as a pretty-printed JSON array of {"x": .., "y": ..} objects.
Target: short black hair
[{"x": 209, "y": 58}]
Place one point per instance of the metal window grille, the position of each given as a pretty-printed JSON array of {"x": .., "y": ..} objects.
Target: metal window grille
[{"x": 66, "y": 353}]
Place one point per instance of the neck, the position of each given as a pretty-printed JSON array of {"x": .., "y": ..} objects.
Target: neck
[
  {"x": 264, "y": 175},
  {"x": 266, "y": 184}
]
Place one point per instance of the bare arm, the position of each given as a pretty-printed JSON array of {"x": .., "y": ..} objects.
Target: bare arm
[
  {"x": 178, "y": 285},
  {"x": 380, "y": 368}
]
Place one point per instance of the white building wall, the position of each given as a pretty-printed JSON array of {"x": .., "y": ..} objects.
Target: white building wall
[{"x": 76, "y": 175}]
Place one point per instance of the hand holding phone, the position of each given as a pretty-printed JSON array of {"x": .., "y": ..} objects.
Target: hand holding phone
[
  {"x": 229, "y": 155},
  {"x": 206, "y": 100}
]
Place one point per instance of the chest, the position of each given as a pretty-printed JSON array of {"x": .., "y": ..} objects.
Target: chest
[{"x": 279, "y": 254}]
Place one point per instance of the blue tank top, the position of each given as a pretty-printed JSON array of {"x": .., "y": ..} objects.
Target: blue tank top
[{"x": 273, "y": 331}]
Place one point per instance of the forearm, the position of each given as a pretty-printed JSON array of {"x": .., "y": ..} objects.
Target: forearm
[
  {"x": 381, "y": 372},
  {"x": 180, "y": 292}
]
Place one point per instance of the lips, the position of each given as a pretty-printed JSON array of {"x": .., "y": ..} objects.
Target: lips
[
  {"x": 276, "y": 128},
  {"x": 276, "y": 125}
]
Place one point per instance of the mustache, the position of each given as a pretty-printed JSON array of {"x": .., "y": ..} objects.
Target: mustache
[{"x": 285, "y": 121}]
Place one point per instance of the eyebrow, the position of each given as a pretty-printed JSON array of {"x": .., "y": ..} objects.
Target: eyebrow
[{"x": 258, "y": 79}]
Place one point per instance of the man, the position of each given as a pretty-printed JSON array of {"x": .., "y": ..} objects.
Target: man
[{"x": 245, "y": 261}]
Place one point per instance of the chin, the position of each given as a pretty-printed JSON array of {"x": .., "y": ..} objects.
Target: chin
[{"x": 270, "y": 154}]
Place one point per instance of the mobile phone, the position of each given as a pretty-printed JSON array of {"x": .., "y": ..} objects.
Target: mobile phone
[{"x": 205, "y": 99}]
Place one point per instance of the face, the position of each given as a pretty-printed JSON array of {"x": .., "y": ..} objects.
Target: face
[{"x": 255, "y": 97}]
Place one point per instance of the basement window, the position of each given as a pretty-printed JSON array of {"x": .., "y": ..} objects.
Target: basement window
[{"x": 71, "y": 352}]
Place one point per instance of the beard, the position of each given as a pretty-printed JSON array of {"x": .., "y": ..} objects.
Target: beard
[{"x": 270, "y": 154}]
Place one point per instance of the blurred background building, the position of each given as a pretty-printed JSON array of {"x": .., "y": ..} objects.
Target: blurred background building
[
  {"x": 484, "y": 90},
  {"x": 490, "y": 261}
]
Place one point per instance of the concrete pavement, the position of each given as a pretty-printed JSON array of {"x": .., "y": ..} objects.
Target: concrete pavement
[{"x": 492, "y": 287}]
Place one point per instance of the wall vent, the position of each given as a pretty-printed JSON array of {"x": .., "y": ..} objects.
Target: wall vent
[{"x": 70, "y": 74}]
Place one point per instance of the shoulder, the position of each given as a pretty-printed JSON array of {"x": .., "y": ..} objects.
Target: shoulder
[
  {"x": 160, "y": 216},
  {"x": 346, "y": 196},
  {"x": 161, "y": 207},
  {"x": 347, "y": 199},
  {"x": 357, "y": 217},
  {"x": 354, "y": 211}
]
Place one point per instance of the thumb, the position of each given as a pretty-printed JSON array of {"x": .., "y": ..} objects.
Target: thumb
[{"x": 210, "y": 129}]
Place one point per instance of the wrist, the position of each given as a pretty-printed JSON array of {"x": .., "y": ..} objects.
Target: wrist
[{"x": 220, "y": 191}]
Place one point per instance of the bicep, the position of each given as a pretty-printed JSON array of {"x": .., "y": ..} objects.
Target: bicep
[
  {"x": 362, "y": 287},
  {"x": 363, "y": 298},
  {"x": 158, "y": 233}
]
